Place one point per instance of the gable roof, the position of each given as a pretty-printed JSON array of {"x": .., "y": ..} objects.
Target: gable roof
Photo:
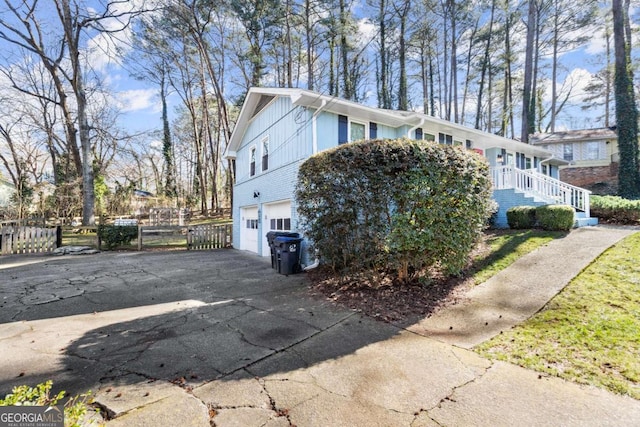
[
  {"x": 257, "y": 98},
  {"x": 575, "y": 136}
]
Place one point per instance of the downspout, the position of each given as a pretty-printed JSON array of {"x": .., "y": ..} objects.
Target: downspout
[
  {"x": 415, "y": 127},
  {"x": 314, "y": 127},
  {"x": 314, "y": 150}
]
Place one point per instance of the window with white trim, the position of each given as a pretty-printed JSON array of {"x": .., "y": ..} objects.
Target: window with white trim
[
  {"x": 592, "y": 150},
  {"x": 444, "y": 138},
  {"x": 265, "y": 153},
  {"x": 357, "y": 131},
  {"x": 568, "y": 152},
  {"x": 252, "y": 161}
]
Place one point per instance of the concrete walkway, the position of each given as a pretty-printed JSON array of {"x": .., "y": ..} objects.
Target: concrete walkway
[
  {"x": 521, "y": 290},
  {"x": 218, "y": 338}
]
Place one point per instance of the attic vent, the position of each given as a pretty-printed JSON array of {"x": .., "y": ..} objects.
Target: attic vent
[{"x": 262, "y": 102}]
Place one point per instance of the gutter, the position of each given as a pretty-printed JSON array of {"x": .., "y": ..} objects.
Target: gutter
[{"x": 415, "y": 127}]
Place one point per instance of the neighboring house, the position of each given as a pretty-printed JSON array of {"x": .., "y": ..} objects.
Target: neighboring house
[
  {"x": 278, "y": 129},
  {"x": 6, "y": 191},
  {"x": 592, "y": 155}
]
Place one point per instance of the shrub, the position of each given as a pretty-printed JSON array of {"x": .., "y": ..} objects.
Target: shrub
[
  {"x": 75, "y": 410},
  {"x": 117, "y": 235},
  {"x": 403, "y": 204},
  {"x": 555, "y": 217},
  {"x": 614, "y": 209},
  {"x": 521, "y": 217}
]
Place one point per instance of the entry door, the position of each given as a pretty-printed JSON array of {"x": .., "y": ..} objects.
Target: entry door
[
  {"x": 277, "y": 218},
  {"x": 249, "y": 229}
]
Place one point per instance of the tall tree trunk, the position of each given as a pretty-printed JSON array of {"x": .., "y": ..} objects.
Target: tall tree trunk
[
  {"x": 308, "y": 29},
  {"x": 403, "y": 98},
  {"x": 626, "y": 109},
  {"x": 554, "y": 67},
  {"x": 528, "y": 72},
  {"x": 485, "y": 65},
  {"x": 454, "y": 63},
  {"x": 167, "y": 145},
  {"x": 347, "y": 84},
  {"x": 384, "y": 96},
  {"x": 607, "y": 78},
  {"x": 72, "y": 35}
]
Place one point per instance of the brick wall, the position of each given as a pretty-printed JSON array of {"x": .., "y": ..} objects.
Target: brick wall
[{"x": 599, "y": 179}]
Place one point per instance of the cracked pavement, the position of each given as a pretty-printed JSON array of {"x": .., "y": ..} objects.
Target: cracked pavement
[{"x": 218, "y": 338}]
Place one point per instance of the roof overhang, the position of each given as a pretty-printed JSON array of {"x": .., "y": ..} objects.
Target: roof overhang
[{"x": 392, "y": 118}]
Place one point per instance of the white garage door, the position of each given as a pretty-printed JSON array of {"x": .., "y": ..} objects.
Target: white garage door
[
  {"x": 249, "y": 229},
  {"x": 277, "y": 218}
]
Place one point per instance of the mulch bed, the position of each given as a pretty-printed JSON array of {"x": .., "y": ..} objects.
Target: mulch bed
[
  {"x": 388, "y": 302},
  {"x": 380, "y": 297}
]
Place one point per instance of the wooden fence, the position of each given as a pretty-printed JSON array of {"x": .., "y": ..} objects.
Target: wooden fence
[
  {"x": 28, "y": 240},
  {"x": 209, "y": 236}
]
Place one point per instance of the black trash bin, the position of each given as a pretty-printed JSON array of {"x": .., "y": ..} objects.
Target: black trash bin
[
  {"x": 271, "y": 236},
  {"x": 288, "y": 254}
]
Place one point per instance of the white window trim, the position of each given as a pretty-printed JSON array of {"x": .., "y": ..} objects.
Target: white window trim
[
  {"x": 253, "y": 149},
  {"x": 366, "y": 129},
  {"x": 262, "y": 144}
]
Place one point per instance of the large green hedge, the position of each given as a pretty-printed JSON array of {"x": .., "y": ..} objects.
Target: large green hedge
[
  {"x": 404, "y": 205},
  {"x": 614, "y": 209}
]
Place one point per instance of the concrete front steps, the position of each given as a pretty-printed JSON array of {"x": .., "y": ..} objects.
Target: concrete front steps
[
  {"x": 581, "y": 220},
  {"x": 508, "y": 198}
]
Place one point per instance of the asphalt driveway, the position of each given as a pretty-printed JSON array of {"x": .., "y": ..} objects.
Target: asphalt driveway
[{"x": 219, "y": 338}]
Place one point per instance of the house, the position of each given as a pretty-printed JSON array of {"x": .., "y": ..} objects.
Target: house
[
  {"x": 592, "y": 155},
  {"x": 278, "y": 129},
  {"x": 6, "y": 191}
]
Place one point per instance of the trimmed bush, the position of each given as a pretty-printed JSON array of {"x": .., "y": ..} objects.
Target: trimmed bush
[
  {"x": 521, "y": 217},
  {"x": 403, "y": 205},
  {"x": 117, "y": 235},
  {"x": 555, "y": 217},
  {"x": 614, "y": 209}
]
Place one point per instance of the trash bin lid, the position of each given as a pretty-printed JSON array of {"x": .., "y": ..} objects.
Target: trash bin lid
[{"x": 287, "y": 239}]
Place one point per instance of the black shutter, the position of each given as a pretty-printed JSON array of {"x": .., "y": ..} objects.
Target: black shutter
[
  {"x": 418, "y": 133},
  {"x": 343, "y": 129},
  {"x": 373, "y": 130}
]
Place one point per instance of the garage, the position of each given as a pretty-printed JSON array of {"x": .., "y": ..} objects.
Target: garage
[
  {"x": 249, "y": 229},
  {"x": 277, "y": 217}
]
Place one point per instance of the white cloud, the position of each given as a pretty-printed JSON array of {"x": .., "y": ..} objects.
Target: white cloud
[{"x": 137, "y": 100}]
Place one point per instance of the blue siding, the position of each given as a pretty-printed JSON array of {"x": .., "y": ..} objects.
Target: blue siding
[
  {"x": 276, "y": 185},
  {"x": 289, "y": 132},
  {"x": 327, "y": 125},
  {"x": 507, "y": 199},
  {"x": 387, "y": 132}
]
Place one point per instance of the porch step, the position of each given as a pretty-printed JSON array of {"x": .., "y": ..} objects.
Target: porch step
[{"x": 581, "y": 220}]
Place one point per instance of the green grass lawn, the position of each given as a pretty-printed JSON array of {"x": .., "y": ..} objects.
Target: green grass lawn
[
  {"x": 506, "y": 246},
  {"x": 590, "y": 332}
]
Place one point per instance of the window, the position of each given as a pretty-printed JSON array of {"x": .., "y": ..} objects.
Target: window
[
  {"x": 373, "y": 130},
  {"x": 252, "y": 224},
  {"x": 265, "y": 153},
  {"x": 421, "y": 134},
  {"x": 568, "y": 152},
  {"x": 281, "y": 224},
  {"x": 592, "y": 150},
  {"x": 356, "y": 131},
  {"x": 444, "y": 138},
  {"x": 253, "y": 161}
]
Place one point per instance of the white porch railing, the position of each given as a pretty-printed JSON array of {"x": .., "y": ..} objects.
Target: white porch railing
[{"x": 546, "y": 188}]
